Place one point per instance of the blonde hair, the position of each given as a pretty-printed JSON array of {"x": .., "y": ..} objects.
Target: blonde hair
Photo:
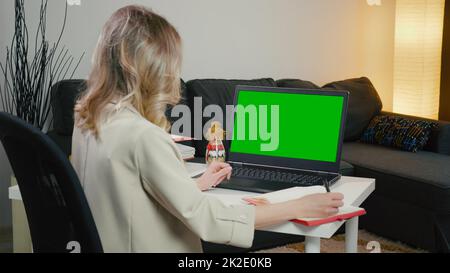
[{"x": 137, "y": 60}]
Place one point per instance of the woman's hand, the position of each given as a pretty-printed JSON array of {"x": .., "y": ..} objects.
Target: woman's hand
[
  {"x": 214, "y": 175},
  {"x": 311, "y": 206},
  {"x": 318, "y": 205}
]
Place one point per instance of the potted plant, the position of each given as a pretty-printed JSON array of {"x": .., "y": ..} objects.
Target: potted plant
[{"x": 32, "y": 66}]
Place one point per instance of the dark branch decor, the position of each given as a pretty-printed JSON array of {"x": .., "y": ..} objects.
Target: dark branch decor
[{"x": 27, "y": 80}]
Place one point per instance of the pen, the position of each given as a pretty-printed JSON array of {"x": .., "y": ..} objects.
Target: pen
[{"x": 326, "y": 184}]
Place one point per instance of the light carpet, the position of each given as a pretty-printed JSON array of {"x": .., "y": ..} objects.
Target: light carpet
[{"x": 367, "y": 243}]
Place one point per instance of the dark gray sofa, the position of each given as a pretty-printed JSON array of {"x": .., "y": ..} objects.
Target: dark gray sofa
[{"x": 411, "y": 202}]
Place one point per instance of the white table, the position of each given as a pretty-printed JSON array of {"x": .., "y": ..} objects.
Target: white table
[{"x": 355, "y": 191}]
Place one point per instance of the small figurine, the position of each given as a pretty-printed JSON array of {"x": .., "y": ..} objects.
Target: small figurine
[{"x": 215, "y": 151}]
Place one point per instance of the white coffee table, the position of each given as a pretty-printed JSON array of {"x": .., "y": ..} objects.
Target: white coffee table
[{"x": 355, "y": 191}]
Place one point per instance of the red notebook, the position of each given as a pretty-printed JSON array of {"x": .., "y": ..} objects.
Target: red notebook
[{"x": 345, "y": 212}]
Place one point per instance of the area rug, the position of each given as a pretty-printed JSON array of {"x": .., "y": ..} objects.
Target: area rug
[{"x": 367, "y": 243}]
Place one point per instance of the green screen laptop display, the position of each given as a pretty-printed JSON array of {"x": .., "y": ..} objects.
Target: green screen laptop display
[{"x": 308, "y": 125}]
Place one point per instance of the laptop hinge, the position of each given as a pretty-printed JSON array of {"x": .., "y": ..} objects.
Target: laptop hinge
[{"x": 241, "y": 164}]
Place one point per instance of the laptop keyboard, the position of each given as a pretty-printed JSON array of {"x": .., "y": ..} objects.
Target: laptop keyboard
[{"x": 297, "y": 178}]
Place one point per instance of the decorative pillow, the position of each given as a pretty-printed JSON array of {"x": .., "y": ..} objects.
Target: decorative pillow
[
  {"x": 439, "y": 141},
  {"x": 219, "y": 92},
  {"x": 400, "y": 133},
  {"x": 183, "y": 101},
  {"x": 296, "y": 83},
  {"x": 63, "y": 97},
  {"x": 364, "y": 104}
]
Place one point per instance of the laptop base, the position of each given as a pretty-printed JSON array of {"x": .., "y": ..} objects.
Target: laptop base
[{"x": 265, "y": 186}]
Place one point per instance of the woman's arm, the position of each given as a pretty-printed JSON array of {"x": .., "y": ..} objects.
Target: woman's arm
[
  {"x": 166, "y": 180},
  {"x": 313, "y": 206}
]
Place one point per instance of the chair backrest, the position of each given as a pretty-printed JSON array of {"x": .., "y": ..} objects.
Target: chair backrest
[{"x": 57, "y": 210}]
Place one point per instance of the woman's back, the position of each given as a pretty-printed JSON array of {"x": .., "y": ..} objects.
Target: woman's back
[{"x": 140, "y": 194}]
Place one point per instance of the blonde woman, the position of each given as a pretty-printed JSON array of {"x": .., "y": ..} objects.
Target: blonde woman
[{"x": 138, "y": 189}]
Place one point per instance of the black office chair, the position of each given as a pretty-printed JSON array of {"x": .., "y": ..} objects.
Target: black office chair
[{"x": 57, "y": 210}]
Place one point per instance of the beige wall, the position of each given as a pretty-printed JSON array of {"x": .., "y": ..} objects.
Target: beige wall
[
  {"x": 320, "y": 40},
  {"x": 378, "y": 49},
  {"x": 317, "y": 40}
]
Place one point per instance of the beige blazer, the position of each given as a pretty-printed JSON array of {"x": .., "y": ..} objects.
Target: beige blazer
[{"x": 140, "y": 194}]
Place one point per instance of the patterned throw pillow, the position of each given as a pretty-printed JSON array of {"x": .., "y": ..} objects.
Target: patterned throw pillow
[{"x": 397, "y": 132}]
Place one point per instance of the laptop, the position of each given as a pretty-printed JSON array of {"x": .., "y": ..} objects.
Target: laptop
[{"x": 285, "y": 138}]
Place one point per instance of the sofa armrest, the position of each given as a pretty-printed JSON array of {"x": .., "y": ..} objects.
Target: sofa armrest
[{"x": 440, "y": 137}]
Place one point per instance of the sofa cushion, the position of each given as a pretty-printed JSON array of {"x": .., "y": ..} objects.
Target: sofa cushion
[
  {"x": 216, "y": 92},
  {"x": 183, "y": 101},
  {"x": 64, "y": 96},
  {"x": 364, "y": 104},
  {"x": 422, "y": 178},
  {"x": 441, "y": 141},
  {"x": 398, "y": 132},
  {"x": 296, "y": 83}
]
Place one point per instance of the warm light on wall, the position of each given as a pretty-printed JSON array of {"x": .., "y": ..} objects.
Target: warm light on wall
[
  {"x": 418, "y": 51},
  {"x": 374, "y": 2}
]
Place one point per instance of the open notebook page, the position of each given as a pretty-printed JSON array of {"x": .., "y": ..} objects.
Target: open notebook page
[{"x": 345, "y": 212}]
